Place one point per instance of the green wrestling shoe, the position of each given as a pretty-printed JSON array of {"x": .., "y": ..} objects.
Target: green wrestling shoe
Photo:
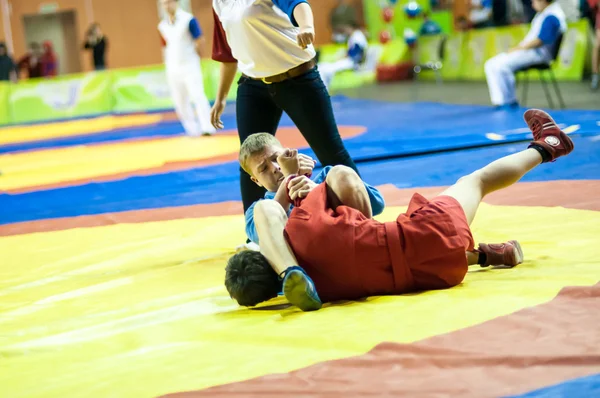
[{"x": 300, "y": 290}]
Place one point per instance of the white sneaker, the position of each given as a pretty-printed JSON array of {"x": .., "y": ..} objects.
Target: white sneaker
[{"x": 247, "y": 246}]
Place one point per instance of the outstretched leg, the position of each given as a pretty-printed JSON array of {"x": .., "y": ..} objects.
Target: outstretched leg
[
  {"x": 549, "y": 144},
  {"x": 299, "y": 289},
  {"x": 470, "y": 190}
]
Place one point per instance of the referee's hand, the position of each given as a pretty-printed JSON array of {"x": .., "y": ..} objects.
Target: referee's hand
[
  {"x": 306, "y": 37},
  {"x": 215, "y": 114}
]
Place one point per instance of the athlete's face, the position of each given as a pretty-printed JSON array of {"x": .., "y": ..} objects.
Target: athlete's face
[
  {"x": 170, "y": 6},
  {"x": 265, "y": 169}
]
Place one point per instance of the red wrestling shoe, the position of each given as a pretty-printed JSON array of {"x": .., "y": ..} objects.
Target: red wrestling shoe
[
  {"x": 509, "y": 253},
  {"x": 549, "y": 140}
]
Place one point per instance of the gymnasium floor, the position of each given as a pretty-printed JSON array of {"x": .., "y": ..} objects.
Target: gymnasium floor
[{"x": 114, "y": 233}]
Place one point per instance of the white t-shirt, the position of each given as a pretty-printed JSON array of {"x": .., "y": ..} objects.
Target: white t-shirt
[
  {"x": 260, "y": 35},
  {"x": 180, "y": 47}
]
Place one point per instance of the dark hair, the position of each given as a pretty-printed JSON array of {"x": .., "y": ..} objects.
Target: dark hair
[{"x": 250, "y": 280}]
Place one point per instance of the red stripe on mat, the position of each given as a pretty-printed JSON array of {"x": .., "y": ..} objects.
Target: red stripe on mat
[
  {"x": 551, "y": 193},
  {"x": 527, "y": 350}
]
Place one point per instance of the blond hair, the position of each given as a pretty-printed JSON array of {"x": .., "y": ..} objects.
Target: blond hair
[{"x": 253, "y": 145}]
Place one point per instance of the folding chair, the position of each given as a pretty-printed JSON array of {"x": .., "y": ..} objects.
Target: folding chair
[{"x": 541, "y": 68}]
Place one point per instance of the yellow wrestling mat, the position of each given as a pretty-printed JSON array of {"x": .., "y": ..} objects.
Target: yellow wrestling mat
[
  {"x": 140, "y": 309},
  {"x": 36, "y": 132},
  {"x": 59, "y": 165}
]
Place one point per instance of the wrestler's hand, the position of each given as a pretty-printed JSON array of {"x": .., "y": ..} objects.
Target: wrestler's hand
[
  {"x": 300, "y": 187},
  {"x": 307, "y": 164},
  {"x": 289, "y": 162}
]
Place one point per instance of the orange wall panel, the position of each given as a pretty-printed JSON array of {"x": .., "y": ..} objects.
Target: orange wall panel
[{"x": 131, "y": 26}]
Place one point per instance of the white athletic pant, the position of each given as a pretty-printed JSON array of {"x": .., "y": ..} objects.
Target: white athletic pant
[
  {"x": 191, "y": 105},
  {"x": 329, "y": 69},
  {"x": 500, "y": 73}
]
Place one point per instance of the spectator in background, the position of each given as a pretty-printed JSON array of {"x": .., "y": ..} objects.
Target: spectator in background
[
  {"x": 595, "y": 11},
  {"x": 32, "y": 61},
  {"x": 96, "y": 41},
  {"x": 343, "y": 15},
  {"x": 8, "y": 69},
  {"x": 354, "y": 56},
  {"x": 481, "y": 14},
  {"x": 182, "y": 41},
  {"x": 537, "y": 47},
  {"x": 49, "y": 61}
]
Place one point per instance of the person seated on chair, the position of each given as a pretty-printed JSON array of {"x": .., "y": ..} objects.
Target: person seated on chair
[
  {"x": 355, "y": 55},
  {"x": 330, "y": 249},
  {"x": 537, "y": 48}
]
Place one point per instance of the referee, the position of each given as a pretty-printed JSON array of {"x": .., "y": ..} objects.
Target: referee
[{"x": 270, "y": 41}]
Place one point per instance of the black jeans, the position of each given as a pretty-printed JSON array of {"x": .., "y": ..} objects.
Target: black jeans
[{"x": 306, "y": 101}]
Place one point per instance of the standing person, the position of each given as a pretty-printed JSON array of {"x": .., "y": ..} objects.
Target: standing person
[
  {"x": 48, "y": 60},
  {"x": 97, "y": 42},
  {"x": 8, "y": 69},
  {"x": 537, "y": 47},
  {"x": 32, "y": 61},
  {"x": 271, "y": 43},
  {"x": 182, "y": 41}
]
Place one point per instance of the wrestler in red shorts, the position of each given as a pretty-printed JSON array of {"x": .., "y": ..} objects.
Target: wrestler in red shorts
[{"x": 348, "y": 255}]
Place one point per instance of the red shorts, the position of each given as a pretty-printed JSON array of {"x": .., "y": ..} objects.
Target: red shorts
[{"x": 436, "y": 235}]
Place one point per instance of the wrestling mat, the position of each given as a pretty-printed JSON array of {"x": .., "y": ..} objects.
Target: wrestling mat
[{"x": 114, "y": 233}]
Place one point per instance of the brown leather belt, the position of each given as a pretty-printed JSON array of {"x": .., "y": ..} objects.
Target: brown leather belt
[{"x": 290, "y": 74}]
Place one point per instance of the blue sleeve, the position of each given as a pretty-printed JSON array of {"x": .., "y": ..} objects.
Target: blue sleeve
[
  {"x": 288, "y": 6},
  {"x": 194, "y": 27},
  {"x": 319, "y": 178},
  {"x": 356, "y": 53},
  {"x": 550, "y": 30},
  {"x": 250, "y": 227},
  {"x": 376, "y": 198}
]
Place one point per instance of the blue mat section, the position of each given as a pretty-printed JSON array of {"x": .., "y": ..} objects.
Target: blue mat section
[
  {"x": 220, "y": 183},
  {"x": 583, "y": 387},
  {"x": 396, "y": 129},
  {"x": 163, "y": 129},
  {"x": 393, "y": 129}
]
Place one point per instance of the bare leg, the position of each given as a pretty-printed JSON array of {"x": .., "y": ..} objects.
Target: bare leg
[
  {"x": 470, "y": 190},
  {"x": 299, "y": 289},
  {"x": 472, "y": 258},
  {"x": 345, "y": 187},
  {"x": 270, "y": 220}
]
